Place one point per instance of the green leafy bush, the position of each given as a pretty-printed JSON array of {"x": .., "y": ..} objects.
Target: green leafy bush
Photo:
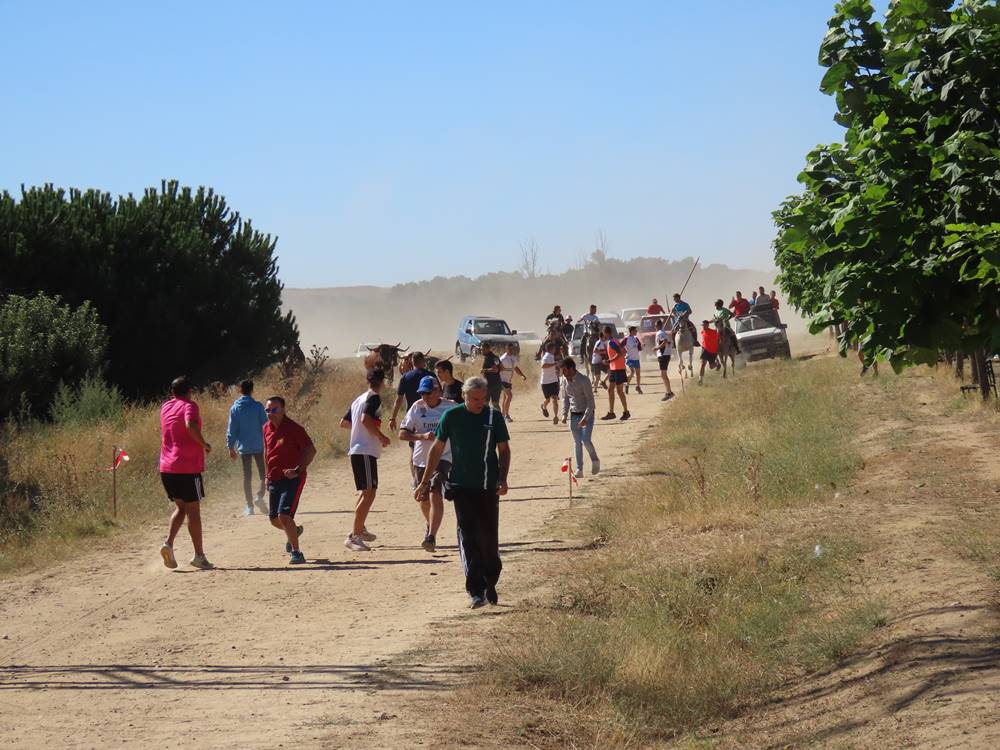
[{"x": 91, "y": 400}]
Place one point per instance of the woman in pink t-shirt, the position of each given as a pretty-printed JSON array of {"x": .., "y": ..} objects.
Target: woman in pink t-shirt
[{"x": 182, "y": 460}]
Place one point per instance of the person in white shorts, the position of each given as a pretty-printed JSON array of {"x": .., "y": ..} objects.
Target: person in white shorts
[
  {"x": 418, "y": 428},
  {"x": 550, "y": 382},
  {"x": 599, "y": 362},
  {"x": 664, "y": 345},
  {"x": 633, "y": 347},
  {"x": 509, "y": 362}
]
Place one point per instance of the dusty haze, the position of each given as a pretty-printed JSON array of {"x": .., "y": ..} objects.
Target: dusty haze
[{"x": 426, "y": 314}]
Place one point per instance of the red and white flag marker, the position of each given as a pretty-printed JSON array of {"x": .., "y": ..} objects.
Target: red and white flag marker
[
  {"x": 567, "y": 467},
  {"x": 118, "y": 455}
]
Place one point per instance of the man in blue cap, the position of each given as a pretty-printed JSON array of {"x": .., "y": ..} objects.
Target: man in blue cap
[{"x": 418, "y": 427}]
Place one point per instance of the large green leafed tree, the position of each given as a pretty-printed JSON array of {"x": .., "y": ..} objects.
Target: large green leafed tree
[
  {"x": 896, "y": 233},
  {"x": 183, "y": 284}
]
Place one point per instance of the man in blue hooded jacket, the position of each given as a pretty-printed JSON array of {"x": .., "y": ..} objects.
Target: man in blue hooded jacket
[{"x": 245, "y": 437}]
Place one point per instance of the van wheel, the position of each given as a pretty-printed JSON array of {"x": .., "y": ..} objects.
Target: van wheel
[{"x": 459, "y": 353}]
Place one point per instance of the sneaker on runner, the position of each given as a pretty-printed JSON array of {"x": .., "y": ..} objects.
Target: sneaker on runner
[
  {"x": 200, "y": 561},
  {"x": 508, "y": 418},
  {"x": 669, "y": 396},
  {"x": 356, "y": 543},
  {"x": 625, "y": 416},
  {"x": 491, "y": 595},
  {"x": 609, "y": 415},
  {"x": 288, "y": 545},
  {"x": 297, "y": 558},
  {"x": 595, "y": 467},
  {"x": 578, "y": 473},
  {"x": 555, "y": 420},
  {"x": 368, "y": 536},
  {"x": 545, "y": 412},
  {"x": 167, "y": 553},
  {"x": 261, "y": 505},
  {"x": 638, "y": 389},
  {"x": 477, "y": 602},
  {"x": 429, "y": 543},
  {"x": 248, "y": 511}
]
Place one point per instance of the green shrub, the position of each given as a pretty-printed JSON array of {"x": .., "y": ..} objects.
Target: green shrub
[{"x": 91, "y": 400}]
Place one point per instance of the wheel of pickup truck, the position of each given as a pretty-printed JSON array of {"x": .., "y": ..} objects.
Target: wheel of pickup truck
[{"x": 459, "y": 353}]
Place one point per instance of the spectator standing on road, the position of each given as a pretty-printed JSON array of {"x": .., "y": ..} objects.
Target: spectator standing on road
[
  {"x": 491, "y": 372},
  {"x": 616, "y": 375},
  {"x": 579, "y": 406},
  {"x": 655, "y": 308},
  {"x": 288, "y": 450},
  {"x": 245, "y": 439},
  {"x": 664, "y": 344},
  {"x": 451, "y": 387},
  {"x": 509, "y": 365},
  {"x": 182, "y": 461},
  {"x": 633, "y": 347},
  {"x": 550, "y": 382},
  {"x": 418, "y": 427},
  {"x": 480, "y": 452},
  {"x": 364, "y": 420},
  {"x": 709, "y": 349}
]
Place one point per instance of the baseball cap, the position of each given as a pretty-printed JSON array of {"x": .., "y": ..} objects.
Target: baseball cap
[{"x": 427, "y": 384}]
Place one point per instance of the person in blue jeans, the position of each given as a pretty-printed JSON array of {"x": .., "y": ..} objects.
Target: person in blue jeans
[
  {"x": 578, "y": 406},
  {"x": 245, "y": 438}
]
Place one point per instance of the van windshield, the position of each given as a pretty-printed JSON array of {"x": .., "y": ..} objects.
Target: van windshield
[{"x": 756, "y": 322}]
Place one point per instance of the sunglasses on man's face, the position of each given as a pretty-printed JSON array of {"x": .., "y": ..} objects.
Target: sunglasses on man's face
[{"x": 273, "y": 410}]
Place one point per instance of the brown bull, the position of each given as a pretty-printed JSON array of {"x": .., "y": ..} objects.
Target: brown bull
[{"x": 386, "y": 357}]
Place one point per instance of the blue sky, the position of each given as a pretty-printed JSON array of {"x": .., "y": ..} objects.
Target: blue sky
[{"x": 386, "y": 142}]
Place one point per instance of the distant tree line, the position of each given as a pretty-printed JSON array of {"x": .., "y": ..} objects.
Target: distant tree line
[{"x": 177, "y": 280}]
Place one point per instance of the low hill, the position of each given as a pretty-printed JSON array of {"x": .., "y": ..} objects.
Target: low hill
[{"x": 426, "y": 314}]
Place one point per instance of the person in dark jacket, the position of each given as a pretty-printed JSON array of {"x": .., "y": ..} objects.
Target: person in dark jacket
[{"x": 245, "y": 438}]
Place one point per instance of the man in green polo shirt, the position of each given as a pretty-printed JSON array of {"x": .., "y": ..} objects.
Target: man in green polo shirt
[{"x": 480, "y": 460}]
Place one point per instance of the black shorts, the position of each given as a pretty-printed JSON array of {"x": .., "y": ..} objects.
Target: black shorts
[
  {"x": 709, "y": 357},
  {"x": 598, "y": 369},
  {"x": 365, "y": 471},
  {"x": 618, "y": 376},
  {"x": 187, "y": 487},
  {"x": 493, "y": 393},
  {"x": 550, "y": 390},
  {"x": 284, "y": 496},
  {"x": 664, "y": 360},
  {"x": 438, "y": 478},
  {"x": 507, "y": 386}
]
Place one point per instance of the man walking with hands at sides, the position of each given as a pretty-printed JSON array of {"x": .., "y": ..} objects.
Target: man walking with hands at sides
[
  {"x": 509, "y": 362},
  {"x": 579, "y": 406},
  {"x": 480, "y": 461},
  {"x": 418, "y": 426},
  {"x": 288, "y": 450},
  {"x": 616, "y": 375},
  {"x": 709, "y": 349},
  {"x": 664, "y": 343},
  {"x": 550, "y": 382},
  {"x": 491, "y": 371},
  {"x": 182, "y": 460},
  {"x": 632, "y": 359},
  {"x": 245, "y": 439},
  {"x": 451, "y": 388},
  {"x": 364, "y": 420}
]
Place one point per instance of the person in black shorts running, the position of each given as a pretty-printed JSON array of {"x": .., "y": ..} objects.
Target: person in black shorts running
[{"x": 663, "y": 343}]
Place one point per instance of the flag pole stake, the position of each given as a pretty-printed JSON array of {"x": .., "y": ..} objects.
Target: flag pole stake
[
  {"x": 114, "y": 481},
  {"x": 570, "y": 478}
]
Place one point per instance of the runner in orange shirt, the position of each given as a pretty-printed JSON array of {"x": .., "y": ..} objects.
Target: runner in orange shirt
[{"x": 709, "y": 349}]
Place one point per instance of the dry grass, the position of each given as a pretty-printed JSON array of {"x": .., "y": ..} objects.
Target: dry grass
[
  {"x": 710, "y": 589},
  {"x": 58, "y": 490}
]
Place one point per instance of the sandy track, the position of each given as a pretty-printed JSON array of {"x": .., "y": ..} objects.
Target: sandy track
[{"x": 112, "y": 649}]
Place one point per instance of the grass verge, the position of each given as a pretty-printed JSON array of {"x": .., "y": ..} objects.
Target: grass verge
[{"x": 720, "y": 577}]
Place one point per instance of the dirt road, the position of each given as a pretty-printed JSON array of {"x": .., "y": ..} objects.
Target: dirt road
[{"x": 112, "y": 649}]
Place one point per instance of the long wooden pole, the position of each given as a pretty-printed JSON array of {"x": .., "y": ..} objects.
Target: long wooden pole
[
  {"x": 689, "y": 276},
  {"x": 114, "y": 481}
]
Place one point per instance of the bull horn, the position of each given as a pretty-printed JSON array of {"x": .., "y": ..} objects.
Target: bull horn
[
  {"x": 398, "y": 349},
  {"x": 371, "y": 349},
  {"x": 428, "y": 352}
]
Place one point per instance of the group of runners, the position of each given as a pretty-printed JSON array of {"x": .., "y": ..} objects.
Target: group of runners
[{"x": 456, "y": 431}]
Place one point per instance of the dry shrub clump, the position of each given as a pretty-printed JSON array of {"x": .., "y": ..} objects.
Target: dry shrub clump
[
  {"x": 706, "y": 591},
  {"x": 55, "y": 487}
]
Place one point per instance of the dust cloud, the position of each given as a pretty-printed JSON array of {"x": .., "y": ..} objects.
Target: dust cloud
[{"x": 426, "y": 314}]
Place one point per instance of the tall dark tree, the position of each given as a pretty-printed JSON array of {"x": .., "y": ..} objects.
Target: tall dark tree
[{"x": 182, "y": 283}]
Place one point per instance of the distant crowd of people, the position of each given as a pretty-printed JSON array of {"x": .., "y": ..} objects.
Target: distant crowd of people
[{"x": 457, "y": 433}]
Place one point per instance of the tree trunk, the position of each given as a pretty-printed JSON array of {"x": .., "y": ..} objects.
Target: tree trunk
[
  {"x": 984, "y": 380},
  {"x": 960, "y": 365},
  {"x": 974, "y": 361}
]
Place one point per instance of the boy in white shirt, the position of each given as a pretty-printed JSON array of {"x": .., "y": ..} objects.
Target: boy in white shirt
[
  {"x": 509, "y": 362},
  {"x": 664, "y": 345},
  {"x": 599, "y": 361},
  {"x": 632, "y": 348}
]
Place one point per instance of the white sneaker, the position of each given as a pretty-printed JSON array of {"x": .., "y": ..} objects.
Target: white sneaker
[
  {"x": 595, "y": 467},
  {"x": 167, "y": 553},
  {"x": 261, "y": 505},
  {"x": 201, "y": 562},
  {"x": 367, "y": 536},
  {"x": 356, "y": 544},
  {"x": 578, "y": 473},
  {"x": 248, "y": 511}
]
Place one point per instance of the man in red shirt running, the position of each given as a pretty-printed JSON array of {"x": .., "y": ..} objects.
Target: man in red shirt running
[
  {"x": 288, "y": 450},
  {"x": 709, "y": 349},
  {"x": 655, "y": 309}
]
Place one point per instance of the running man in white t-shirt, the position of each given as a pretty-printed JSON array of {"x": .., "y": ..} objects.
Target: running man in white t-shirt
[
  {"x": 550, "y": 382},
  {"x": 633, "y": 347},
  {"x": 418, "y": 428},
  {"x": 599, "y": 362},
  {"x": 664, "y": 345},
  {"x": 509, "y": 362}
]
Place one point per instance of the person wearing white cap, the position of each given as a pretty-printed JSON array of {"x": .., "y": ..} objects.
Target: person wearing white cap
[{"x": 418, "y": 427}]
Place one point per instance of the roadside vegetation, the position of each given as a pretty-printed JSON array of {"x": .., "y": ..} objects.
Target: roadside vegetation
[{"x": 716, "y": 574}]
